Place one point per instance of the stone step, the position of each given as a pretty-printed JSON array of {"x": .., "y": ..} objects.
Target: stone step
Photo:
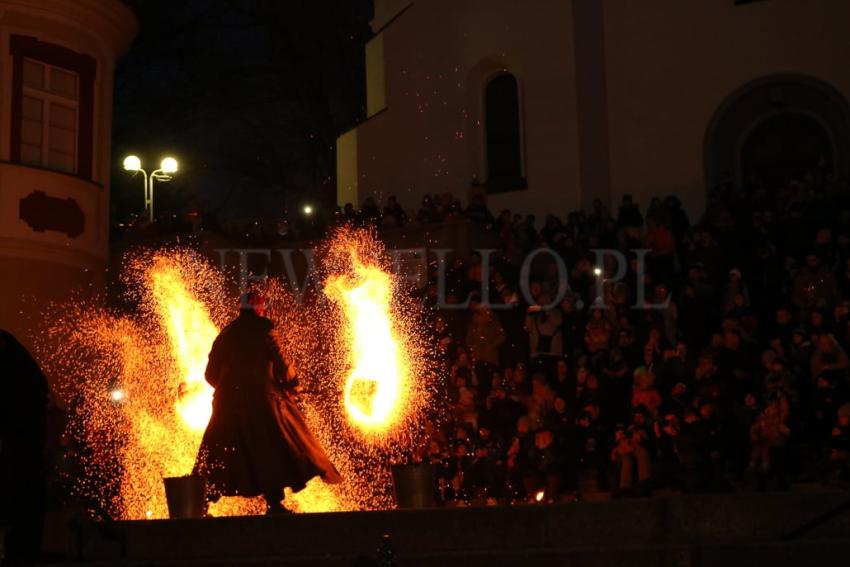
[
  {"x": 775, "y": 554},
  {"x": 674, "y": 522}
]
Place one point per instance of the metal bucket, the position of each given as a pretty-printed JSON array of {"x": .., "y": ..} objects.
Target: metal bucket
[
  {"x": 185, "y": 496},
  {"x": 414, "y": 485}
]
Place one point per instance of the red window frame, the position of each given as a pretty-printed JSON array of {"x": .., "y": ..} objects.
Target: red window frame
[{"x": 84, "y": 66}]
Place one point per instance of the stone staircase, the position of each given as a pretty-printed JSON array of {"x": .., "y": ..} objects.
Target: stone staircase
[{"x": 686, "y": 531}]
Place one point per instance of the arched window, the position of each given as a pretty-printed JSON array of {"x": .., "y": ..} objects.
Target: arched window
[
  {"x": 785, "y": 146},
  {"x": 775, "y": 129},
  {"x": 504, "y": 150}
]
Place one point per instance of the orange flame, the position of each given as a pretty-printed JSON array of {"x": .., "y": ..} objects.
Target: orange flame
[
  {"x": 377, "y": 381},
  {"x": 191, "y": 333}
]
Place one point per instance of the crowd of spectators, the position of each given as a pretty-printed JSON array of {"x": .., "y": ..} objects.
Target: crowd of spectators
[
  {"x": 717, "y": 362},
  {"x": 731, "y": 374}
]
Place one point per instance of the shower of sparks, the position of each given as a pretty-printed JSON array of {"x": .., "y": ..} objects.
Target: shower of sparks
[
  {"x": 367, "y": 369},
  {"x": 135, "y": 380}
]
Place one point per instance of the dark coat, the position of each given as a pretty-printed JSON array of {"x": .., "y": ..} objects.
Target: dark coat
[{"x": 257, "y": 441}]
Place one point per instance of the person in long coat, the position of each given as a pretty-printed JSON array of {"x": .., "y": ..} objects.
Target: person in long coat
[{"x": 257, "y": 441}]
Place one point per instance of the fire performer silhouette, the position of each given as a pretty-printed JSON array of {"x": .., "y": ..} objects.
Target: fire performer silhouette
[{"x": 256, "y": 442}]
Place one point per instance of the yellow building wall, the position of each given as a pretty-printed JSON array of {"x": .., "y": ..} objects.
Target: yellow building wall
[{"x": 346, "y": 168}]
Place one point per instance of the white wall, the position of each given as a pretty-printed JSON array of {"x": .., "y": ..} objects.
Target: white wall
[
  {"x": 669, "y": 65},
  {"x": 672, "y": 63},
  {"x": 438, "y": 57}
]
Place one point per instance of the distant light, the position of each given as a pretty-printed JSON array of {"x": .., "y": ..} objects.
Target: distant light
[
  {"x": 169, "y": 165},
  {"x": 117, "y": 395},
  {"x": 539, "y": 496},
  {"x": 308, "y": 210},
  {"x": 597, "y": 271},
  {"x": 132, "y": 163}
]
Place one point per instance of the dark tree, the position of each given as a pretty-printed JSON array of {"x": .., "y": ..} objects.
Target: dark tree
[{"x": 248, "y": 94}]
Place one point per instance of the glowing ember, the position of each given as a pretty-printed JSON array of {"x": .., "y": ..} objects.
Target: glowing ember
[{"x": 378, "y": 378}]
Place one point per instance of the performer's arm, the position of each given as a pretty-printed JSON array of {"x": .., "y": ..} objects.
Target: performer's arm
[
  {"x": 291, "y": 373},
  {"x": 284, "y": 374}
]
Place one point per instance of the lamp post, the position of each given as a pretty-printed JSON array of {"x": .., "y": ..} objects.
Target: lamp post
[{"x": 167, "y": 167}]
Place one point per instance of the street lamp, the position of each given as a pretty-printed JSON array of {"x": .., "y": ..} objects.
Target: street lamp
[{"x": 167, "y": 167}]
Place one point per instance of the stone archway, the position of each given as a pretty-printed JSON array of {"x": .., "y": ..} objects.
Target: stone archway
[
  {"x": 775, "y": 127},
  {"x": 786, "y": 145}
]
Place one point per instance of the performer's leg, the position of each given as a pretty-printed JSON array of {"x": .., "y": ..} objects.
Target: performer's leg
[
  {"x": 274, "y": 501},
  {"x": 211, "y": 496}
]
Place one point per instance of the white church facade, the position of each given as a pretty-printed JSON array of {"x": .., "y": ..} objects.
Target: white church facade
[{"x": 546, "y": 105}]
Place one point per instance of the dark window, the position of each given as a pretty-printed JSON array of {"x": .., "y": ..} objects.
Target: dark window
[
  {"x": 52, "y": 106},
  {"x": 784, "y": 147},
  {"x": 504, "y": 151}
]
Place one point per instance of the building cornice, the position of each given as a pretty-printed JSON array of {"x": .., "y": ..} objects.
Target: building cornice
[
  {"x": 52, "y": 253},
  {"x": 113, "y": 21}
]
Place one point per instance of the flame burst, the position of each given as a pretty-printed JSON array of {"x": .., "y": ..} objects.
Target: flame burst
[
  {"x": 358, "y": 362},
  {"x": 375, "y": 387},
  {"x": 191, "y": 333},
  {"x": 369, "y": 367},
  {"x": 155, "y": 358}
]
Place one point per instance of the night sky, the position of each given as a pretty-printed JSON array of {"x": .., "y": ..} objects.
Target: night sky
[{"x": 249, "y": 96}]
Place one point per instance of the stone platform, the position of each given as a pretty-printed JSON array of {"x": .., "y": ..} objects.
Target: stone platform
[{"x": 687, "y": 531}]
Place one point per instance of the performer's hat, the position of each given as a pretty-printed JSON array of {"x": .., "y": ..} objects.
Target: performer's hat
[{"x": 251, "y": 300}]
